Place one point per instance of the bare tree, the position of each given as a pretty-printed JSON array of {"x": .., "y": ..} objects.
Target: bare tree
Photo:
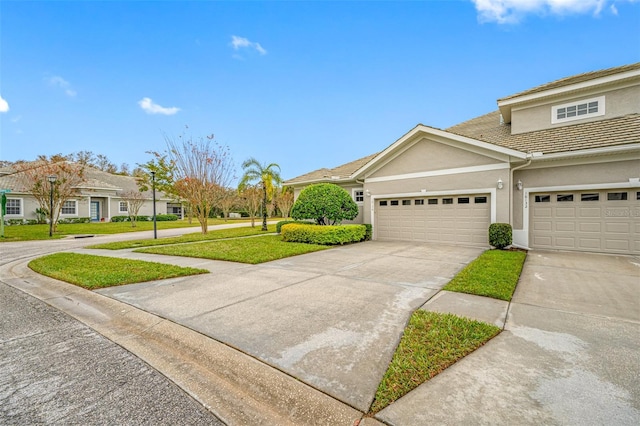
[
  {"x": 203, "y": 169},
  {"x": 34, "y": 176},
  {"x": 134, "y": 200},
  {"x": 284, "y": 199},
  {"x": 251, "y": 198},
  {"x": 228, "y": 202}
]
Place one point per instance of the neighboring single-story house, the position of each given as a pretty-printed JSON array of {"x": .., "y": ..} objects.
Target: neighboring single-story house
[
  {"x": 559, "y": 162},
  {"x": 99, "y": 197}
]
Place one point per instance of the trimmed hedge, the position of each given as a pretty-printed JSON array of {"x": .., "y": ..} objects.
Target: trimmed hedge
[
  {"x": 143, "y": 218},
  {"x": 500, "y": 235},
  {"x": 280, "y": 224},
  {"x": 74, "y": 220},
  {"x": 323, "y": 235},
  {"x": 368, "y": 233}
]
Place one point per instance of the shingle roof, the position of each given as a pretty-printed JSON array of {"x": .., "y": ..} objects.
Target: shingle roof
[
  {"x": 575, "y": 79},
  {"x": 343, "y": 171},
  {"x": 596, "y": 134},
  {"x": 93, "y": 179}
]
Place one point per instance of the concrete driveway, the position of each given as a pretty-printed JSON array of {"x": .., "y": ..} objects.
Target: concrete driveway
[
  {"x": 331, "y": 319},
  {"x": 569, "y": 355}
]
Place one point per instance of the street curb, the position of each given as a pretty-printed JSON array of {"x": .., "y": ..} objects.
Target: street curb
[{"x": 235, "y": 387}]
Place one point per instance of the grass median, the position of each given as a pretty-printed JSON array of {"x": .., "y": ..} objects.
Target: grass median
[
  {"x": 244, "y": 250},
  {"x": 94, "y": 272},
  {"x": 495, "y": 273},
  {"x": 431, "y": 342},
  {"x": 189, "y": 238}
]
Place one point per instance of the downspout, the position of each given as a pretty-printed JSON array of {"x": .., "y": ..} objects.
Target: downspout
[{"x": 529, "y": 159}]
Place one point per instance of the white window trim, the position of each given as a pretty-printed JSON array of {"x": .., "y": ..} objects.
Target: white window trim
[
  {"x": 70, "y": 214},
  {"x": 21, "y": 214},
  {"x": 126, "y": 210},
  {"x": 555, "y": 108},
  {"x": 353, "y": 195}
]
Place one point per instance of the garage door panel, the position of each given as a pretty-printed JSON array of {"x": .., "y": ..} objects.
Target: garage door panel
[
  {"x": 617, "y": 244},
  {"x": 565, "y": 242},
  {"x": 565, "y": 226},
  {"x": 590, "y": 212},
  {"x": 430, "y": 219},
  {"x": 567, "y": 212}
]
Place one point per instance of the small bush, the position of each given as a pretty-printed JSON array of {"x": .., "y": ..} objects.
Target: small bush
[
  {"x": 500, "y": 235},
  {"x": 70, "y": 220},
  {"x": 165, "y": 218},
  {"x": 280, "y": 224},
  {"x": 326, "y": 203},
  {"x": 324, "y": 235}
]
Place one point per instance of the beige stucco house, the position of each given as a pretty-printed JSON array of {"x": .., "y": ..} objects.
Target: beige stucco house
[
  {"x": 99, "y": 197},
  {"x": 560, "y": 162}
]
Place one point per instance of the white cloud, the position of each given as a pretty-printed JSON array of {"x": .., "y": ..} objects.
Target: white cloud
[
  {"x": 4, "y": 105},
  {"x": 241, "y": 43},
  {"x": 512, "y": 11},
  {"x": 60, "y": 82},
  {"x": 152, "y": 108}
]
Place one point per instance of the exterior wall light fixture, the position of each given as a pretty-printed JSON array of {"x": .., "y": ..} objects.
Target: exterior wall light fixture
[
  {"x": 519, "y": 185},
  {"x": 500, "y": 184},
  {"x": 368, "y": 193}
]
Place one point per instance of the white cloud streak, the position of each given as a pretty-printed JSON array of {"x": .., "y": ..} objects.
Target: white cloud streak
[
  {"x": 243, "y": 43},
  {"x": 150, "y": 107},
  {"x": 4, "y": 105},
  {"x": 512, "y": 11},
  {"x": 63, "y": 84}
]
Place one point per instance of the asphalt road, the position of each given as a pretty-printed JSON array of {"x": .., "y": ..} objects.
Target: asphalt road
[{"x": 56, "y": 370}]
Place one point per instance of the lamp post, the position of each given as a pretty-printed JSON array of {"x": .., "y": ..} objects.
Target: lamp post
[
  {"x": 52, "y": 180},
  {"x": 153, "y": 186}
]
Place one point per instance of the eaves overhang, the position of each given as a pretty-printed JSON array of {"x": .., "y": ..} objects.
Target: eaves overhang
[{"x": 618, "y": 149}]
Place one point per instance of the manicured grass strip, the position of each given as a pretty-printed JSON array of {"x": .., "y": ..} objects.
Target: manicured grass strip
[
  {"x": 244, "y": 250},
  {"x": 41, "y": 232},
  {"x": 93, "y": 272},
  {"x": 431, "y": 343},
  {"x": 494, "y": 273},
  {"x": 189, "y": 238}
]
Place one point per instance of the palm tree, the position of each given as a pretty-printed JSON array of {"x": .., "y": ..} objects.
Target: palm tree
[{"x": 268, "y": 176}]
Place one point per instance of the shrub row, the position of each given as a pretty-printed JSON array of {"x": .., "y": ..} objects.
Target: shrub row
[
  {"x": 324, "y": 235},
  {"x": 280, "y": 224},
  {"x": 14, "y": 222},
  {"x": 143, "y": 218}
]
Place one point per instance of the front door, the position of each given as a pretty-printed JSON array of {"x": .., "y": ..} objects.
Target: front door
[{"x": 95, "y": 211}]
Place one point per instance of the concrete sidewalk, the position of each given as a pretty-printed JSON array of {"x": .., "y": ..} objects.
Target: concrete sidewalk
[{"x": 569, "y": 353}]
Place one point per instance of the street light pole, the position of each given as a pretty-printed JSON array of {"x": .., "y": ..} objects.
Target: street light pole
[
  {"x": 52, "y": 180},
  {"x": 153, "y": 186}
]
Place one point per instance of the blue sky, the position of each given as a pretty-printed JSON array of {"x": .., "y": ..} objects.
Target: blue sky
[{"x": 303, "y": 84}]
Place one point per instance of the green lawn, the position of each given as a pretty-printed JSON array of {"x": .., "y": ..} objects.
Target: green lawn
[
  {"x": 244, "y": 250},
  {"x": 189, "y": 238},
  {"x": 430, "y": 343},
  {"x": 93, "y": 272},
  {"x": 41, "y": 232},
  {"x": 495, "y": 273}
]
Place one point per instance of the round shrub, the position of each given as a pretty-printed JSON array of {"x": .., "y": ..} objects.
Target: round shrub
[
  {"x": 500, "y": 235},
  {"x": 326, "y": 203}
]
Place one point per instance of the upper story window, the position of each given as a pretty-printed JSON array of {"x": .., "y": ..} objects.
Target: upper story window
[
  {"x": 577, "y": 110},
  {"x": 69, "y": 207},
  {"x": 358, "y": 195},
  {"x": 14, "y": 206}
]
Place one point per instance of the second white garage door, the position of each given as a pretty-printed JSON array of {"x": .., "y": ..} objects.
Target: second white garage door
[
  {"x": 461, "y": 219},
  {"x": 606, "y": 221}
]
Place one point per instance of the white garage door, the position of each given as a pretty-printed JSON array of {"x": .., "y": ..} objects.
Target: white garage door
[
  {"x": 606, "y": 221},
  {"x": 460, "y": 219}
]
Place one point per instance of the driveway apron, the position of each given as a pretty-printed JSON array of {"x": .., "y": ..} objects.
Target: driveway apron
[
  {"x": 331, "y": 319},
  {"x": 569, "y": 355}
]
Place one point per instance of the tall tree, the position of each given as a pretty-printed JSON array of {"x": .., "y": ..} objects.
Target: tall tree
[
  {"x": 34, "y": 176},
  {"x": 228, "y": 202},
  {"x": 251, "y": 199},
  {"x": 134, "y": 200},
  {"x": 203, "y": 169},
  {"x": 267, "y": 176},
  {"x": 284, "y": 200}
]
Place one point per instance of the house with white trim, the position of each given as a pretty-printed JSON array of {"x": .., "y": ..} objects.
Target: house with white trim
[
  {"x": 560, "y": 162},
  {"x": 98, "y": 197}
]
